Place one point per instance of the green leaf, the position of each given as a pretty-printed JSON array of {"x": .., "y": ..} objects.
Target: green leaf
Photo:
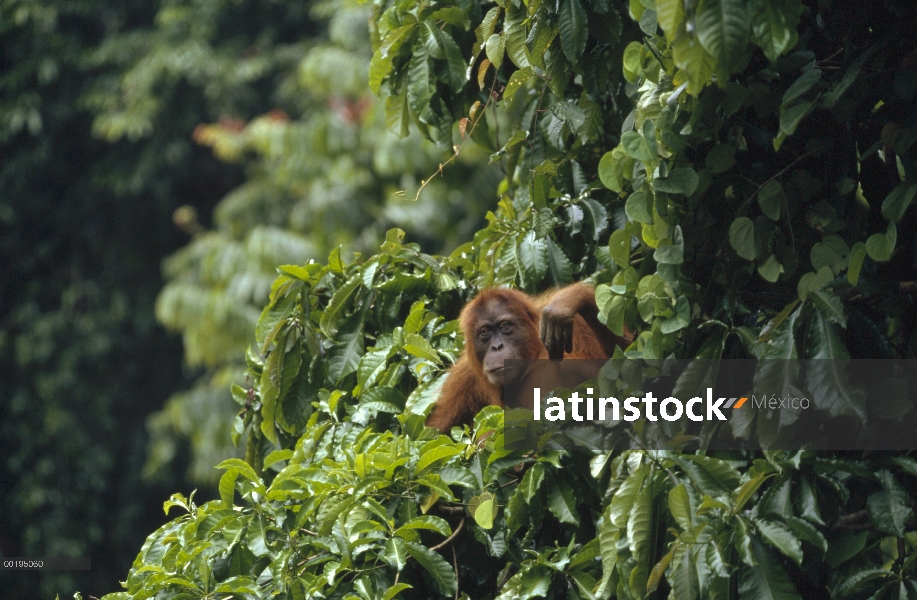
[
  {"x": 639, "y": 537},
  {"x": 767, "y": 581},
  {"x": 697, "y": 63},
  {"x": 397, "y": 115},
  {"x": 889, "y": 509},
  {"x": 806, "y": 532},
  {"x": 898, "y": 201},
  {"x": 858, "y": 579},
  {"x": 639, "y": 147},
  {"x": 569, "y": 113},
  {"x": 495, "y": 49},
  {"x": 452, "y": 15},
  {"x": 773, "y": 26},
  {"x": 672, "y": 254},
  {"x": 652, "y": 583},
  {"x": 436, "y": 566},
  {"x": 680, "y": 320},
  {"x": 532, "y": 480},
  {"x": 515, "y": 83},
  {"x": 594, "y": 119},
  {"x": 623, "y": 500},
  {"x": 683, "y": 573},
  {"x": 418, "y": 346},
  {"x": 723, "y": 29},
  {"x": 747, "y": 490},
  {"x": 771, "y": 199},
  {"x": 711, "y": 475},
  {"x": 608, "y": 536},
  {"x": 679, "y": 181},
  {"x": 562, "y": 500},
  {"x": 484, "y": 512},
  {"x": 742, "y": 237},
  {"x": 671, "y": 17},
  {"x": 810, "y": 282},
  {"x": 514, "y": 30},
  {"x": 801, "y": 86},
  {"x": 455, "y": 73},
  {"x": 395, "y": 553},
  {"x": 227, "y": 487},
  {"x": 680, "y": 507},
  {"x": 560, "y": 269},
  {"x": 850, "y": 75},
  {"x": 597, "y": 216},
  {"x": 532, "y": 260},
  {"x": 344, "y": 356},
  {"x": 857, "y": 256},
  {"x": 880, "y": 246},
  {"x": 639, "y": 207},
  {"x": 429, "y": 522},
  {"x": 396, "y": 589},
  {"x": 244, "y": 469},
  {"x": 649, "y": 22},
  {"x": 791, "y": 116},
  {"x": 831, "y": 252},
  {"x": 339, "y": 301},
  {"x": 531, "y": 582},
  {"x": 384, "y": 399},
  {"x": 770, "y": 269},
  {"x": 721, "y": 158},
  {"x": 573, "y": 27},
  {"x": 781, "y": 538},
  {"x": 827, "y": 379},
  {"x": 381, "y": 64},
  {"x": 434, "y": 456},
  {"x": 420, "y": 85},
  {"x": 829, "y": 305}
]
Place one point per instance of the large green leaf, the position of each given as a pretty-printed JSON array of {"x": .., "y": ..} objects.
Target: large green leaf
[
  {"x": 624, "y": 498},
  {"x": 532, "y": 260},
  {"x": 339, "y": 302},
  {"x": 781, "y": 538},
  {"x": 722, "y": 28},
  {"x": 679, "y": 181},
  {"x": 771, "y": 199},
  {"x": 514, "y": 30},
  {"x": 571, "y": 20},
  {"x": 711, "y": 475},
  {"x": 767, "y": 581},
  {"x": 639, "y": 147},
  {"x": 344, "y": 356},
  {"x": 890, "y": 509},
  {"x": 826, "y": 377},
  {"x": 608, "y": 536},
  {"x": 773, "y": 26},
  {"x": 396, "y": 553},
  {"x": 680, "y": 506},
  {"x": 898, "y": 201},
  {"x": 436, "y": 566},
  {"x": 880, "y": 246},
  {"x": 562, "y": 500},
  {"x": 560, "y": 269},
  {"x": 420, "y": 85},
  {"x": 742, "y": 237},
  {"x": 495, "y": 47},
  {"x": 683, "y": 574}
]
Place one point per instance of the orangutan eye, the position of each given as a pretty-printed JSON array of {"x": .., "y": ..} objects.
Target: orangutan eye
[
  {"x": 485, "y": 331},
  {"x": 505, "y": 327}
]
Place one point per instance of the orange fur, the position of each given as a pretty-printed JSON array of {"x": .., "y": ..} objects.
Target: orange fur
[{"x": 467, "y": 389}]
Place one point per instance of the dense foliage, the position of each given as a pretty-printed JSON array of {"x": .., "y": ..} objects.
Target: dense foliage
[
  {"x": 83, "y": 227},
  {"x": 322, "y": 173},
  {"x": 736, "y": 178}
]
